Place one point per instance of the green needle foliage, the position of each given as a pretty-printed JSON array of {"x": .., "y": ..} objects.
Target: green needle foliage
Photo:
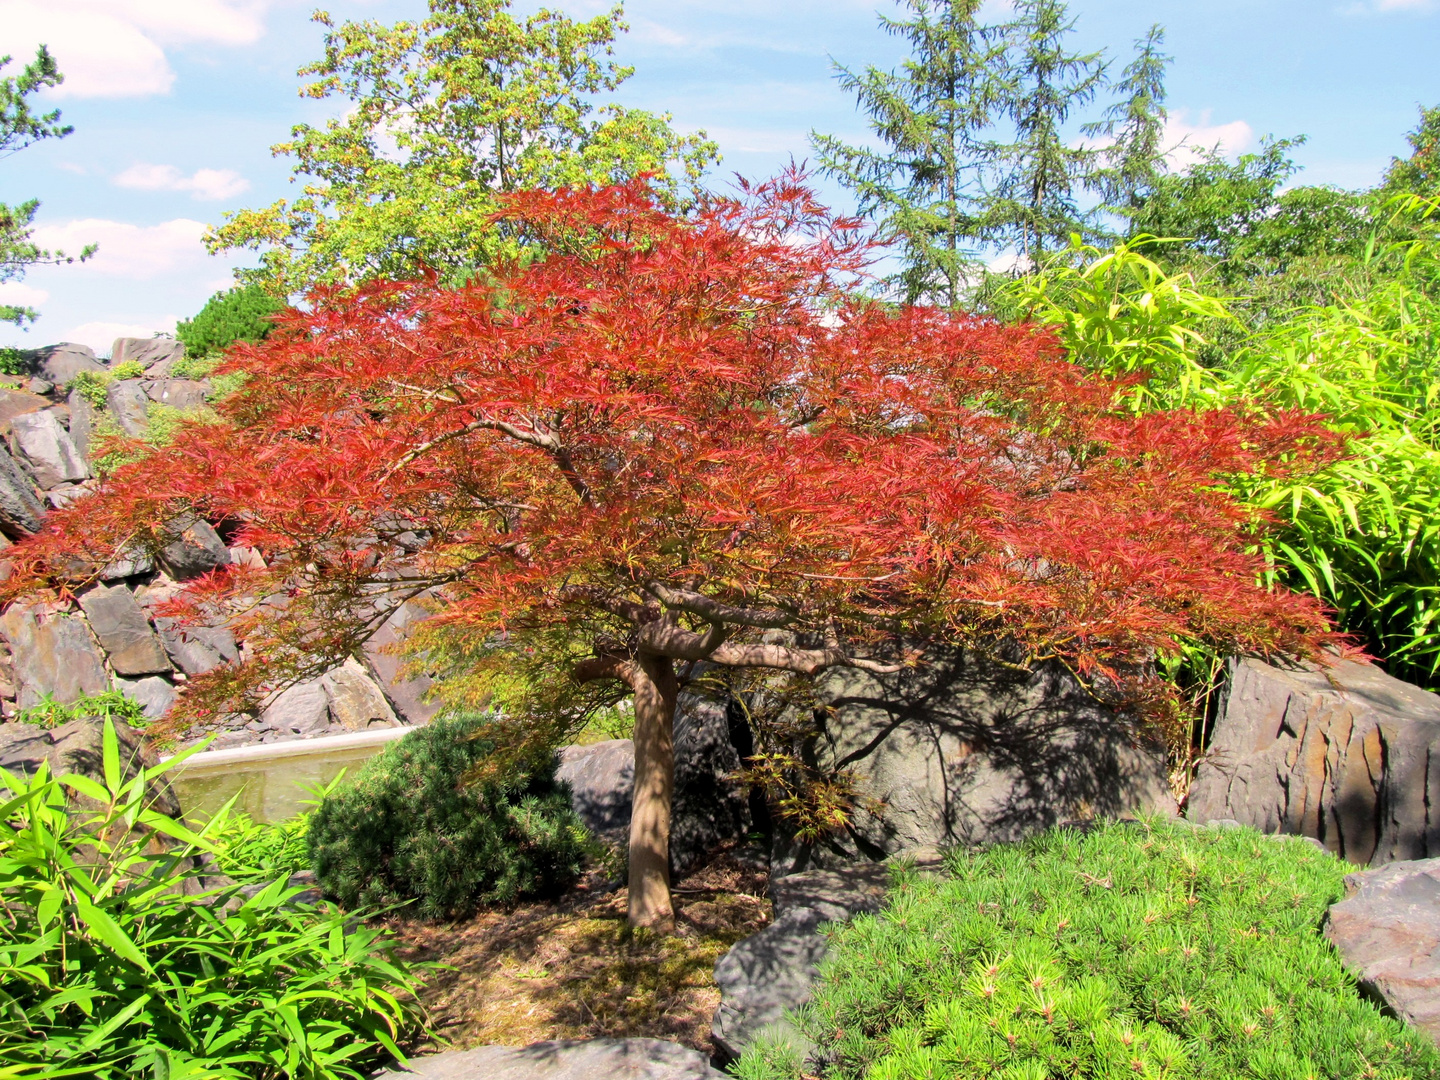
[
  {"x": 444, "y": 116},
  {"x": 243, "y": 313},
  {"x": 419, "y": 824},
  {"x": 1135, "y": 950},
  {"x": 20, "y": 127},
  {"x": 119, "y": 960}
]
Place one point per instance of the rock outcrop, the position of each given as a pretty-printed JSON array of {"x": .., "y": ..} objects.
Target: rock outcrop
[
  {"x": 78, "y": 747},
  {"x": 964, "y": 751},
  {"x": 708, "y": 808},
  {"x": 562, "y": 1059},
  {"x": 1387, "y": 931},
  {"x": 1344, "y": 754},
  {"x": 115, "y": 636},
  {"x": 770, "y": 974}
]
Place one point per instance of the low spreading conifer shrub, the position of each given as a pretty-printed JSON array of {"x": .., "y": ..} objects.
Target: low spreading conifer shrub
[
  {"x": 240, "y": 314},
  {"x": 1150, "y": 951},
  {"x": 416, "y": 826}
]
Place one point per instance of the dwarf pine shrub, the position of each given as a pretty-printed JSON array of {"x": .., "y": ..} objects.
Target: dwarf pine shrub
[
  {"x": 413, "y": 827},
  {"x": 243, "y": 313},
  {"x": 1139, "y": 951}
]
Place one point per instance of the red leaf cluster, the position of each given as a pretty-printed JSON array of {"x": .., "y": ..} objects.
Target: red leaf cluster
[{"x": 702, "y": 403}]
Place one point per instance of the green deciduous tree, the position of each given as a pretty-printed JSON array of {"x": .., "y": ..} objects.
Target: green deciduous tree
[
  {"x": 21, "y": 126},
  {"x": 448, "y": 113}
]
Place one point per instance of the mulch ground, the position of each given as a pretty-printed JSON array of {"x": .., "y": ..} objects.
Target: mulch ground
[{"x": 571, "y": 969}]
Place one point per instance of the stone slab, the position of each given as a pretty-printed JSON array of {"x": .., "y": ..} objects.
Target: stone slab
[
  {"x": 124, "y": 631},
  {"x": 54, "y": 655},
  {"x": 41, "y": 441}
]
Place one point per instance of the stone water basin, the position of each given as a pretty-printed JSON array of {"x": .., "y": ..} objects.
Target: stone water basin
[{"x": 271, "y": 780}]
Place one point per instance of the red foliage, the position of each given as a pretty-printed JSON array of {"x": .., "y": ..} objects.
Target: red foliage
[{"x": 669, "y": 408}]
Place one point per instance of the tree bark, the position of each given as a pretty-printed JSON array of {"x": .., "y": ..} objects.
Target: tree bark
[{"x": 656, "y": 689}]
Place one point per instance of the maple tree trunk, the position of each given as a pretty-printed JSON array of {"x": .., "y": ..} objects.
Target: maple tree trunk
[{"x": 655, "y": 691}]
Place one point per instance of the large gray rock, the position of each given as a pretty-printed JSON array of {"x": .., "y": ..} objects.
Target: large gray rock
[
  {"x": 1344, "y": 754},
  {"x": 355, "y": 701},
  {"x": 197, "y": 549},
  {"x": 1387, "y": 931},
  {"x": 45, "y": 445},
  {"x": 54, "y": 656},
  {"x": 59, "y": 364},
  {"x": 124, "y": 632},
  {"x": 154, "y": 694},
  {"x": 408, "y": 695},
  {"x": 562, "y": 1059},
  {"x": 196, "y": 649},
  {"x": 963, "y": 751},
  {"x": 129, "y": 406},
  {"x": 708, "y": 808},
  {"x": 303, "y": 709},
  {"x": 178, "y": 393},
  {"x": 82, "y": 422},
  {"x": 20, "y": 508},
  {"x": 146, "y": 351},
  {"x": 78, "y": 747},
  {"x": 772, "y": 973}
]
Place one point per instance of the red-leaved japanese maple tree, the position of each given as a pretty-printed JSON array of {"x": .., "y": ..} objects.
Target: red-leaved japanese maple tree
[{"x": 677, "y": 439}]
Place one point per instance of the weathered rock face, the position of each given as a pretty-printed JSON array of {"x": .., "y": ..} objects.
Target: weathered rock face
[
  {"x": 178, "y": 393},
  {"x": 20, "y": 508},
  {"x": 303, "y": 709},
  {"x": 562, "y": 1059},
  {"x": 59, "y": 364},
  {"x": 146, "y": 351},
  {"x": 15, "y": 403},
  {"x": 963, "y": 751},
  {"x": 153, "y": 694},
  {"x": 355, "y": 701},
  {"x": 196, "y": 649},
  {"x": 1346, "y": 755},
  {"x": 82, "y": 422},
  {"x": 54, "y": 654},
  {"x": 197, "y": 549},
  {"x": 77, "y": 747},
  {"x": 406, "y": 695},
  {"x": 708, "y": 809},
  {"x": 1387, "y": 931},
  {"x": 45, "y": 445},
  {"x": 129, "y": 405},
  {"x": 773, "y": 972},
  {"x": 124, "y": 632}
]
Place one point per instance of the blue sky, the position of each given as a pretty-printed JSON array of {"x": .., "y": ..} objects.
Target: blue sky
[{"x": 176, "y": 103}]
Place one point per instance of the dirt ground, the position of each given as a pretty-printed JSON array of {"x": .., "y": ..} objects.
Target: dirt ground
[{"x": 570, "y": 969}]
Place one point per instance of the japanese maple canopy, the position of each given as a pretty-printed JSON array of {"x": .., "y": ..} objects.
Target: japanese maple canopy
[{"x": 696, "y": 403}]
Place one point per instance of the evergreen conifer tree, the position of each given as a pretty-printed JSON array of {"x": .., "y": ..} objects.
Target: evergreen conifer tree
[{"x": 1132, "y": 131}]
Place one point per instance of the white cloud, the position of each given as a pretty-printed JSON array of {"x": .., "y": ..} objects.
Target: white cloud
[
  {"x": 22, "y": 295},
  {"x": 116, "y": 48},
  {"x": 207, "y": 184},
  {"x": 1185, "y": 141},
  {"x": 100, "y": 336},
  {"x": 134, "y": 251}
]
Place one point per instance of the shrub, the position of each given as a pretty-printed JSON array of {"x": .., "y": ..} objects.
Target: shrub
[
  {"x": 1153, "y": 951},
  {"x": 240, "y": 314},
  {"x": 112, "y": 704},
  {"x": 117, "y": 960},
  {"x": 414, "y": 827}
]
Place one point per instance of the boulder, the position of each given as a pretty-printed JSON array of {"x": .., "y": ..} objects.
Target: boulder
[
  {"x": 562, "y": 1059},
  {"x": 39, "y": 439},
  {"x": 178, "y": 393},
  {"x": 15, "y": 403},
  {"x": 20, "y": 508},
  {"x": 77, "y": 747},
  {"x": 197, "y": 549},
  {"x": 129, "y": 406},
  {"x": 1344, "y": 754},
  {"x": 54, "y": 655},
  {"x": 355, "y": 700},
  {"x": 59, "y": 364},
  {"x": 964, "y": 751},
  {"x": 1387, "y": 931},
  {"x": 124, "y": 631},
  {"x": 772, "y": 973},
  {"x": 146, "y": 351},
  {"x": 196, "y": 649},
  {"x": 708, "y": 808},
  {"x": 82, "y": 422},
  {"x": 154, "y": 694},
  {"x": 408, "y": 696},
  {"x": 303, "y": 709}
]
